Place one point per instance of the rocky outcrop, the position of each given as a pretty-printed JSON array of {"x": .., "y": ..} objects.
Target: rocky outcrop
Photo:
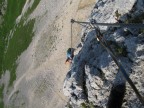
[{"x": 94, "y": 78}]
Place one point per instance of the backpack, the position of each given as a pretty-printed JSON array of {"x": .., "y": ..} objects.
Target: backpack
[{"x": 69, "y": 53}]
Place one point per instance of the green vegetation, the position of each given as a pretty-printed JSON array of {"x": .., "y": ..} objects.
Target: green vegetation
[
  {"x": 141, "y": 31},
  {"x": 117, "y": 14},
  {"x": 1, "y": 41},
  {"x": 36, "y": 2},
  {"x": 20, "y": 41},
  {"x": 1, "y": 97},
  {"x": 1, "y": 52},
  {"x": 69, "y": 105},
  {"x": 21, "y": 37},
  {"x": 83, "y": 105},
  {"x": 137, "y": 19},
  {"x": 91, "y": 105},
  {"x": 118, "y": 49},
  {"x": 12, "y": 12},
  {"x": 1, "y": 6},
  {"x": 87, "y": 105}
]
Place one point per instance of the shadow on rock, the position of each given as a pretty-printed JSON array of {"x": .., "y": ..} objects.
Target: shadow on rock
[{"x": 116, "y": 96}]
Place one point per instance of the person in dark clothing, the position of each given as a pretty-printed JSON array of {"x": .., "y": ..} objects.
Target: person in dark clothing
[{"x": 70, "y": 55}]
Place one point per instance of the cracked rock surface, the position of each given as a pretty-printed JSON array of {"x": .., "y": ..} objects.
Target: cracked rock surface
[{"x": 94, "y": 77}]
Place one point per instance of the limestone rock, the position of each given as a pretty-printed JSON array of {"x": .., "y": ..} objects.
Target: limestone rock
[{"x": 94, "y": 73}]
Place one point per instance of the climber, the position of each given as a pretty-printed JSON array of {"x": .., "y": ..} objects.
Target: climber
[{"x": 70, "y": 55}]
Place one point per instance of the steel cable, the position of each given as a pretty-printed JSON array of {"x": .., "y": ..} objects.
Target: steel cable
[{"x": 110, "y": 51}]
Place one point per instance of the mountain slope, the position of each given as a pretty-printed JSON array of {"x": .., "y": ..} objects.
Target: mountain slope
[{"x": 35, "y": 37}]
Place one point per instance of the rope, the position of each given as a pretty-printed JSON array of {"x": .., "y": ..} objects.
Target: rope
[
  {"x": 110, "y": 51},
  {"x": 130, "y": 25},
  {"x": 71, "y": 35}
]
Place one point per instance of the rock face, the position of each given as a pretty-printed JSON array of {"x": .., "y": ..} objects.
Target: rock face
[{"x": 94, "y": 78}]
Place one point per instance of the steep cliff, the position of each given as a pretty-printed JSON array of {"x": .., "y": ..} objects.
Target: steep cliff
[
  {"x": 94, "y": 80},
  {"x": 34, "y": 36}
]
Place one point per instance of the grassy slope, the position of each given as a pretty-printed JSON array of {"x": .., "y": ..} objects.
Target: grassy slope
[
  {"x": 20, "y": 41},
  {"x": 12, "y": 12},
  {"x": 21, "y": 38},
  {"x": 1, "y": 96}
]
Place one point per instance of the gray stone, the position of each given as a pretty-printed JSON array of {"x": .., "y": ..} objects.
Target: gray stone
[{"x": 93, "y": 72}]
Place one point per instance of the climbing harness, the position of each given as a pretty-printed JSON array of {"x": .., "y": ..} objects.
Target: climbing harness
[{"x": 104, "y": 43}]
